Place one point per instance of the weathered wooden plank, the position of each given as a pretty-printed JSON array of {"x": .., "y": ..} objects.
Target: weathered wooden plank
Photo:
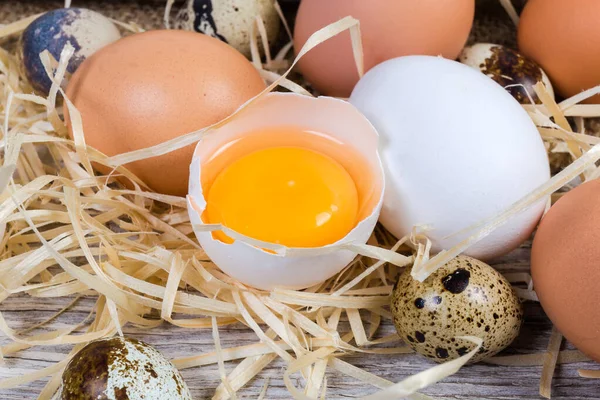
[
  {"x": 472, "y": 382},
  {"x": 476, "y": 381}
]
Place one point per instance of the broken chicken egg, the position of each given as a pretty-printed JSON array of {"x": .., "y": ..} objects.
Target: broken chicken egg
[{"x": 288, "y": 192}]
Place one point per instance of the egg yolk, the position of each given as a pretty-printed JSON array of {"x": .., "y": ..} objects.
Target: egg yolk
[{"x": 285, "y": 195}]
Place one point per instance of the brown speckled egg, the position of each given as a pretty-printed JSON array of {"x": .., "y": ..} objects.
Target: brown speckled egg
[
  {"x": 121, "y": 369},
  {"x": 154, "y": 86},
  {"x": 464, "y": 297},
  {"x": 507, "y": 67}
]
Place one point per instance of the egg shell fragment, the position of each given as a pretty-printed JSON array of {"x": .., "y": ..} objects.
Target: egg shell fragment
[
  {"x": 86, "y": 30},
  {"x": 507, "y": 67},
  {"x": 463, "y": 298},
  {"x": 122, "y": 368},
  {"x": 290, "y": 268},
  {"x": 457, "y": 149}
]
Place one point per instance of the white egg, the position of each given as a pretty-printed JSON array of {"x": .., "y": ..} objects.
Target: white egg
[
  {"x": 231, "y": 21},
  {"x": 457, "y": 149},
  {"x": 294, "y": 268}
]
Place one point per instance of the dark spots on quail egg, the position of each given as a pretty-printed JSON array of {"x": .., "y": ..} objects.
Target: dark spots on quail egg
[
  {"x": 88, "y": 370},
  {"x": 121, "y": 369},
  {"x": 86, "y": 30},
  {"x": 419, "y": 303},
  {"x": 150, "y": 370},
  {"x": 508, "y": 68},
  {"x": 457, "y": 300},
  {"x": 441, "y": 353},
  {"x": 462, "y": 351},
  {"x": 457, "y": 281},
  {"x": 120, "y": 394}
]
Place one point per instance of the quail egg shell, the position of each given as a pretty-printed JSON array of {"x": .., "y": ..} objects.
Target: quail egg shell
[
  {"x": 294, "y": 268},
  {"x": 86, "y": 30},
  {"x": 122, "y": 368},
  {"x": 507, "y": 67},
  {"x": 465, "y": 297},
  {"x": 229, "y": 20}
]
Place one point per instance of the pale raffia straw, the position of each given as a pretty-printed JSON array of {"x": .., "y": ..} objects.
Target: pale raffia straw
[
  {"x": 549, "y": 365},
  {"x": 347, "y": 23},
  {"x": 587, "y": 373},
  {"x": 511, "y": 11},
  {"x": 136, "y": 275}
]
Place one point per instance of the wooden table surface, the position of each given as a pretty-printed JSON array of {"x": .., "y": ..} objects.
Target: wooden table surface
[{"x": 481, "y": 381}]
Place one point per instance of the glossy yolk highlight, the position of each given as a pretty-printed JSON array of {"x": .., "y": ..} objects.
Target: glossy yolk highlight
[{"x": 285, "y": 195}]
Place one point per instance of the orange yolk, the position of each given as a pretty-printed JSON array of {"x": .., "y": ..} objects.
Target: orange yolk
[{"x": 284, "y": 195}]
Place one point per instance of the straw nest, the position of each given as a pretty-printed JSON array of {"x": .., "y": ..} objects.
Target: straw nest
[{"x": 73, "y": 233}]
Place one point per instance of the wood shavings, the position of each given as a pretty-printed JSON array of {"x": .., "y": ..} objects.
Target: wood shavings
[
  {"x": 549, "y": 365},
  {"x": 510, "y": 10},
  {"x": 564, "y": 357},
  {"x": 592, "y": 374},
  {"x": 71, "y": 233}
]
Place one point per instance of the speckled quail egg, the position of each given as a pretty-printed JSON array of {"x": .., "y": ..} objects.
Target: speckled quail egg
[
  {"x": 86, "y": 30},
  {"x": 122, "y": 368},
  {"x": 464, "y": 297},
  {"x": 229, "y": 20},
  {"x": 507, "y": 67}
]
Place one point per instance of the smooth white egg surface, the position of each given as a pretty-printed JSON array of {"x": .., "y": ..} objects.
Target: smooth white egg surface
[{"x": 457, "y": 149}]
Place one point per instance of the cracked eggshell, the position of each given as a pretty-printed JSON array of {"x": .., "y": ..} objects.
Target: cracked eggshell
[
  {"x": 122, "y": 368},
  {"x": 290, "y": 268},
  {"x": 465, "y": 297},
  {"x": 507, "y": 67}
]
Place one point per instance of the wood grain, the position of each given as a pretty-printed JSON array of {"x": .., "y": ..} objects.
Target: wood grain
[{"x": 481, "y": 381}]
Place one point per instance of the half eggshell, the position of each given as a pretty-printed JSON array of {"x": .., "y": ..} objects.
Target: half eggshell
[{"x": 267, "y": 266}]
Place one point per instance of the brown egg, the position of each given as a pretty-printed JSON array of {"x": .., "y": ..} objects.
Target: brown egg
[
  {"x": 565, "y": 262},
  {"x": 389, "y": 28},
  {"x": 154, "y": 86},
  {"x": 562, "y": 36}
]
